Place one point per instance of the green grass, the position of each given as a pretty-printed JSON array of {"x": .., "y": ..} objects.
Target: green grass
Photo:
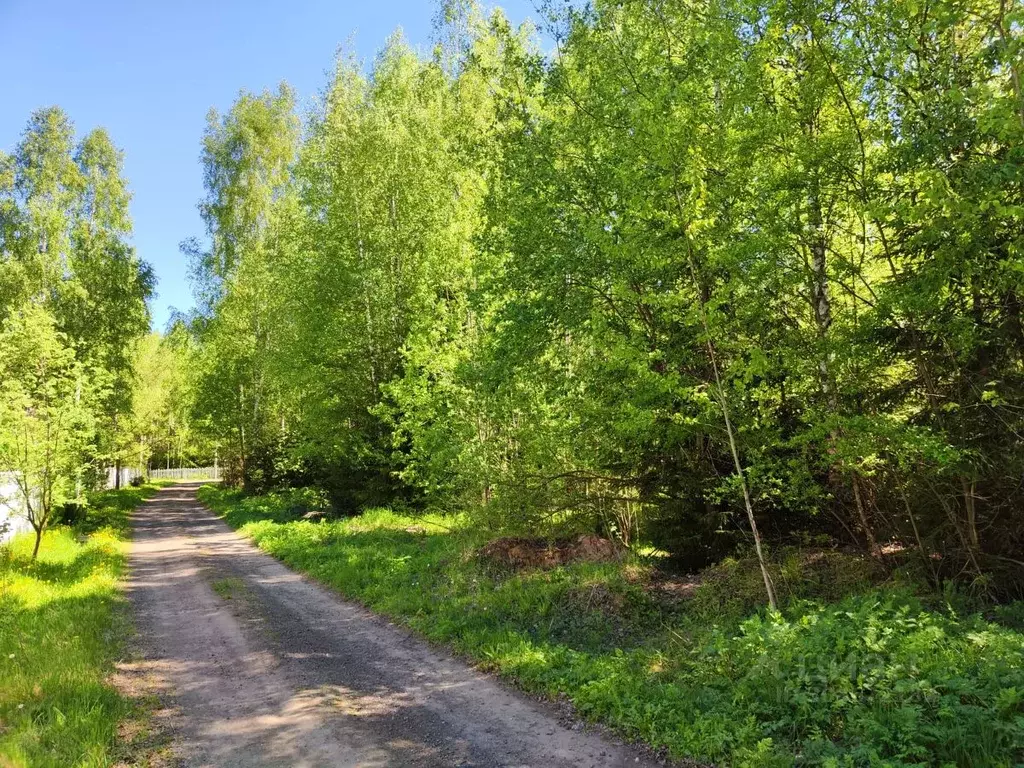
[
  {"x": 874, "y": 678},
  {"x": 62, "y": 625},
  {"x": 228, "y": 588}
]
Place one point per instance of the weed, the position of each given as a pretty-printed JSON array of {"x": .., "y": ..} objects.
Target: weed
[{"x": 228, "y": 588}]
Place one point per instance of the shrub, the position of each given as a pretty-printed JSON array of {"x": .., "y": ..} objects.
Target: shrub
[
  {"x": 735, "y": 587},
  {"x": 71, "y": 513}
]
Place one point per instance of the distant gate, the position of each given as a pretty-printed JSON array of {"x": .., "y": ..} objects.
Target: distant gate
[{"x": 186, "y": 473}]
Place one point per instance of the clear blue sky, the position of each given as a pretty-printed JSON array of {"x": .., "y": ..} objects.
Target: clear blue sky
[{"x": 149, "y": 71}]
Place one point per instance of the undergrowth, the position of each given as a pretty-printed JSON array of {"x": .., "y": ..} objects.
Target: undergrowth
[
  {"x": 62, "y": 625},
  {"x": 873, "y": 678}
]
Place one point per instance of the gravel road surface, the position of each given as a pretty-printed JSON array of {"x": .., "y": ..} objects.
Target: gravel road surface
[{"x": 261, "y": 667}]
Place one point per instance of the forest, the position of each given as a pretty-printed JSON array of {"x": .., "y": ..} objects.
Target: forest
[
  {"x": 710, "y": 273},
  {"x": 732, "y": 288}
]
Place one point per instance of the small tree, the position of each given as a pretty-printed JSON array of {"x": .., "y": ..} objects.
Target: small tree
[{"x": 46, "y": 423}]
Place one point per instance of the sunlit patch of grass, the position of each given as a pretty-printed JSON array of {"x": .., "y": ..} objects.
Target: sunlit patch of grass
[{"x": 62, "y": 625}]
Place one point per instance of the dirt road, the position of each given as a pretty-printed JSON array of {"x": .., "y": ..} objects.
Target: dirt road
[{"x": 263, "y": 667}]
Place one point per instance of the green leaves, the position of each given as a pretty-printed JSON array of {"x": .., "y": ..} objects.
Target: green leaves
[
  {"x": 72, "y": 304},
  {"x": 504, "y": 282},
  {"x": 48, "y": 409}
]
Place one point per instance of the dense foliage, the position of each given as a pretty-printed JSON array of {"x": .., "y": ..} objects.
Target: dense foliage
[
  {"x": 163, "y": 422},
  {"x": 72, "y": 307},
  {"x": 709, "y": 265}
]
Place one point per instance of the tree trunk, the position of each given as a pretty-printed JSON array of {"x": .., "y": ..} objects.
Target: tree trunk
[
  {"x": 117, "y": 461},
  {"x": 39, "y": 540},
  {"x": 822, "y": 309},
  {"x": 862, "y": 515},
  {"x": 769, "y": 586},
  {"x": 972, "y": 514},
  {"x": 925, "y": 557}
]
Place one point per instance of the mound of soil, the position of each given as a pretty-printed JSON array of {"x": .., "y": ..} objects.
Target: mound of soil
[
  {"x": 671, "y": 589},
  {"x": 521, "y": 552}
]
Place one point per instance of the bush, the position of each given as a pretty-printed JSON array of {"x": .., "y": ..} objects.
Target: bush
[
  {"x": 71, "y": 513},
  {"x": 734, "y": 587}
]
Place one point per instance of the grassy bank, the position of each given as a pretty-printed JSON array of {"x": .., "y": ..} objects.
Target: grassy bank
[
  {"x": 62, "y": 625},
  {"x": 875, "y": 677}
]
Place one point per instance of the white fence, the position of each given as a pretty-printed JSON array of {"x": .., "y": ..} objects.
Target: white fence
[
  {"x": 181, "y": 473},
  {"x": 11, "y": 508},
  {"x": 186, "y": 473},
  {"x": 127, "y": 475}
]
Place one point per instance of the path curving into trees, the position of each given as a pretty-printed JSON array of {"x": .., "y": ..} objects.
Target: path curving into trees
[{"x": 263, "y": 667}]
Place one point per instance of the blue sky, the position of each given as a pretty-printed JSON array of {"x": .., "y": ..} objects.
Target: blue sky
[{"x": 149, "y": 71}]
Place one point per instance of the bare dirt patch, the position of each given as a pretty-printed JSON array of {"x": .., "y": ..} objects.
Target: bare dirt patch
[
  {"x": 144, "y": 740},
  {"x": 522, "y": 552}
]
